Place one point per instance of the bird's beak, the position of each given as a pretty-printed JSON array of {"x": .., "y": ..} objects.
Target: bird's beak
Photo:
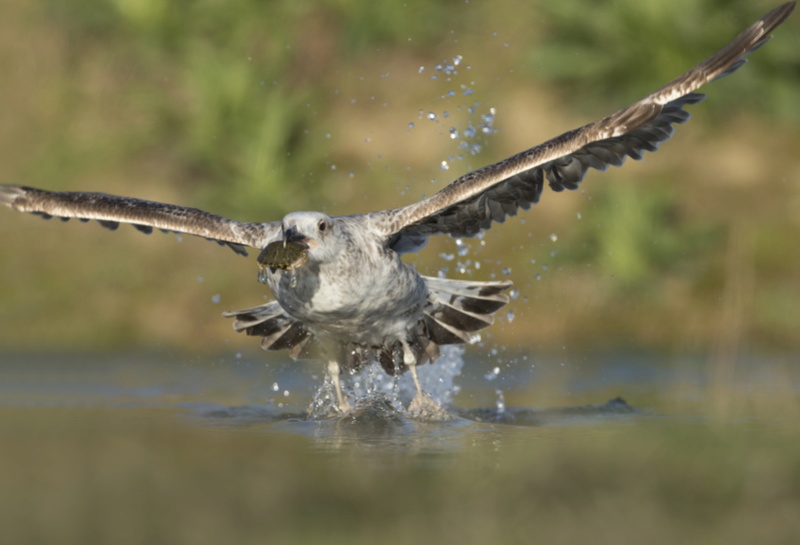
[{"x": 292, "y": 235}]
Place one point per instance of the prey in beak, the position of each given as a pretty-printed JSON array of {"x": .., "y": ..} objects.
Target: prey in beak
[{"x": 287, "y": 254}]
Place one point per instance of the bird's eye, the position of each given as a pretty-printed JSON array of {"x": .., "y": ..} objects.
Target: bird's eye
[{"x": 323, "y": 226}]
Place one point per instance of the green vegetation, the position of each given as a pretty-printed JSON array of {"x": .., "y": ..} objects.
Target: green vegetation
[{"x": 259, "y": 108}]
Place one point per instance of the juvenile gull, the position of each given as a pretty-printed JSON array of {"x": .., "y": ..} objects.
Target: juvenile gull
[{"x": 343, "y": 295}]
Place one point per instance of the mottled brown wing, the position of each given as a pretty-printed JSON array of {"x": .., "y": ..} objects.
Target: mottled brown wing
[
  {"x": 471, "y": 203},
  {"x": 111, "y": 210}
]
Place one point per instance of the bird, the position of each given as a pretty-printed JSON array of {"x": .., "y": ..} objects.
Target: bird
[{"x": 341, "y": 292}]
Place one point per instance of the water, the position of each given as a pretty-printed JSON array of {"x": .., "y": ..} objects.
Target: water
[
  {"x": 287, "y": 400},
  {"x": 263, "y": 380},
  {"x": 266, "y": 394},
  {"x": 163, "y": 448}
]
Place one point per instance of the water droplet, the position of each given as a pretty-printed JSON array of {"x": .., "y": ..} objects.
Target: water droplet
[
  {"x": 275, "y": 387},
  {"x": 411, "y": 125},
  {"x": 453, "y": 133},
  {"x": 510, "y": 316},
  {"x": 200, "y": 279},
  {"x": 431, "y": 116},
  {"x": 553, "y": 237},
  {"x": 501, "y": 402},
  {"x": 215, "y": 299},
  {"x": 507, "y": 271},
  {"x": 444, "y": 166},
  {"x": 579, "y": 215},
  {"x": 514, "y": 293}
]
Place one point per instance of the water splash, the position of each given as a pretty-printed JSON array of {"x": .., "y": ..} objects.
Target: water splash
[
  {"x": 437, "y": 380},
  {"x": 479, "y": 122}
]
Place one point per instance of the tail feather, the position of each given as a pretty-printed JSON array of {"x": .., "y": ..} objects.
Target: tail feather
[
  {"x": 457, "y": 308},
  {"x": 440, "y": 333},
  {"x": 278, "y": 330},
  {"x": 461, "y": 319}
]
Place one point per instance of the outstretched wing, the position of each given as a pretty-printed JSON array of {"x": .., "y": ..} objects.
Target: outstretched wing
[
  {"x": 110, "y": 210},
  {"x": 471, "y": 203}
]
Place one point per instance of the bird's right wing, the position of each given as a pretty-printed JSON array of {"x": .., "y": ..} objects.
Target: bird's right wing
[{"x": 111, "y": 210}]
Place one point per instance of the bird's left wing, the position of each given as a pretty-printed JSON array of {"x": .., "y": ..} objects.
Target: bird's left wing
[
  {"x": 471, "y": 203},
  {"x": 111, "y": 210}
]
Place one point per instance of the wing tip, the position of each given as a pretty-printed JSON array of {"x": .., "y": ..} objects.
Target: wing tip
[{"x": 10, "y": 194}]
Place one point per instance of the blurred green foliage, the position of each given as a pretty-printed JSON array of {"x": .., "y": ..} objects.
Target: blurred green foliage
[
  {"x": 625, "y": 48},
  {"x": 256, "y": 109},
  {"x": 237, "y": 91}
]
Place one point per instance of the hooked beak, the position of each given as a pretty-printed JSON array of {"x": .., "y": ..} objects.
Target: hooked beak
[{"x": 292, "y": 235}]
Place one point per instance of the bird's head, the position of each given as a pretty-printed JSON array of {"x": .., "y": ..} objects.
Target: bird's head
[{"x": 314, "y": 230}]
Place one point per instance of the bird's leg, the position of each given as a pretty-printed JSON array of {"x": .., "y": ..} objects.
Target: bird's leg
[
  {"x": 422, "y": 405},
  {"x": 412, "y": 368},
  {"x": 334, "y": 370}
]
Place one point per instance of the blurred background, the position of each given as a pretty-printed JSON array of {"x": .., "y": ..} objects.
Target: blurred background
[
  {"x": 257, "y": 109},
  {"x": 130, "y": 412}
]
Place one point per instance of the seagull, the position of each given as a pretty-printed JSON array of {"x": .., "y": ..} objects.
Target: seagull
[{"x": 341, "y": 292}]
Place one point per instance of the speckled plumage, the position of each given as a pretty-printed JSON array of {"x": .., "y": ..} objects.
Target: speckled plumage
[{"x": 354, "y": 301}]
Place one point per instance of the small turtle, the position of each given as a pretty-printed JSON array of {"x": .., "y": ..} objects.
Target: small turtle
[{"x": 286, "y": 255}]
